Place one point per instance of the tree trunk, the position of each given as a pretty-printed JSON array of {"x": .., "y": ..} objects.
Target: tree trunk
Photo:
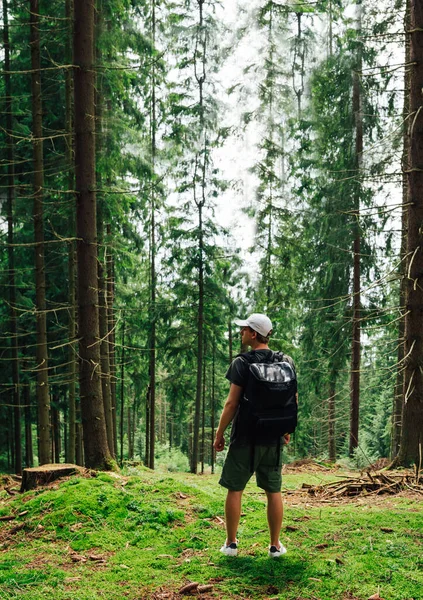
[
  {"x": 102, "y": 254},
  {"x": 164, "y": 429},
  {"x": 43, "y": 399},
  {"x": 269, "y": 133},
  {"x": 152, "y": 316},
  {"x": 104, "y": 348},
  {"x": 356, "y": 299},
  {"x": 65, "y": 430},
  {"x": 55, "y": 417},
  {"x": 39, "y": 476},
  {"x": 122, "y": 389},
  {"x": 134, "y": 424},
  {"x": 399, "y": 387},
  {"x": 79, "y": 451},
  {"x": 14, "y": 355},
  {"x": 299, "y": 52},
  {"x": 153, "y": 282},
  {"x": 72, "y": 356},
  {"x": 29, "y": 455},
  {"x": 171, "y": 430},
  {"x": 331, "y": 419},
  {"x": 213, "y": 405},
  {"x": 412, "y": 418},
  {"x": 130, "y": 436},
  {"x": 96, "y": 449},
  {"x": 200, "y": 325},
  {"x": 200, "y": 77},
  {"x": 11, "y": 437},
  {"x": 269, "y": 251},
  {"x": 147, "y": 426},
  {"x": 203, "y": 414},
  {"x": 111, "y": 329}
]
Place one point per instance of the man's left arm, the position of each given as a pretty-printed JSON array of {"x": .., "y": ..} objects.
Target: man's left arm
[{"x": 228, "y": 413}]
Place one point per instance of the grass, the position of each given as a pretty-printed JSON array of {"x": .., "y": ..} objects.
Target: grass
[{"x": 113, "y": 537}]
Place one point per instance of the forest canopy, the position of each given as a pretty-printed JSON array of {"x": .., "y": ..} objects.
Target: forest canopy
[{"x": 170, "y": 166}]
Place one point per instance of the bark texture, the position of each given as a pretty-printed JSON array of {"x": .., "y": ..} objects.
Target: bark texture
[
  {"x": 71, "y": 447},
  {"x": 43, "y": 399},
  {"x": 111, "y": 324},
  {"x": 153, "y": 278},
  {"x": 29, "y": 455},
  {"x": 96, "y": 449},
  {"x": 331, "y": 419},
  {"x": 356, "y": 327},
  {"x": 102, "y": 269},
  {"x": 39, "y": 476},
  {"x": 10, "y": 239},
  {"x": 200, "y": 202},
  {"x": 412, "y": 418},
  {"x": 399, "y": 386}
]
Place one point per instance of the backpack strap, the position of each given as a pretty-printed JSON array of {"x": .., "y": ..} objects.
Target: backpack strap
[
  {"x": 247, "y": 357},
  {"x": 250, "y": 359}
]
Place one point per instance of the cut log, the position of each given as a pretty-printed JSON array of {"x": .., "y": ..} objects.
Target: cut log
[{"x": 45, "y": 474}]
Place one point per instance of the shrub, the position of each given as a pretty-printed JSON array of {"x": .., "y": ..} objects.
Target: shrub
[{"x": 171, "y": 459}]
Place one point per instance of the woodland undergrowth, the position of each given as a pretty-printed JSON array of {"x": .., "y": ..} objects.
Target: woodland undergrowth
[{"x": 146, "y": 535}]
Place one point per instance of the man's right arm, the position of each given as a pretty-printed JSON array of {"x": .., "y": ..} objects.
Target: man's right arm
[{"x": 228, "y": 413}]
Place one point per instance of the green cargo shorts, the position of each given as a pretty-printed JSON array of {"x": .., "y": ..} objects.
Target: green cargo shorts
[{"x": 236, "y": 471}]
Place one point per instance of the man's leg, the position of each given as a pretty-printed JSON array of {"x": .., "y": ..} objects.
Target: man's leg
[
  {"x": 232, "y": 514},
  {"x": 274, "y": 516}
]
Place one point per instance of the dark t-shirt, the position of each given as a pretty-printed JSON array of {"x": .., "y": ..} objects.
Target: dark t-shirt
[{"x": 238, "y": 374}]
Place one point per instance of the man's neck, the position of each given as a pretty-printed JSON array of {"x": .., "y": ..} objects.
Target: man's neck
[{"x": 259, "y": 346}]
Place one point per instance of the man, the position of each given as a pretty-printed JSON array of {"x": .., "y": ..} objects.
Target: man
[{"x": 237, "y": 470}]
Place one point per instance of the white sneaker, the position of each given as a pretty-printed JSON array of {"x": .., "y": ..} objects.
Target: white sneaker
[
  {"x": 276, "y": 552},
  {"x": 231, "y": 549}
]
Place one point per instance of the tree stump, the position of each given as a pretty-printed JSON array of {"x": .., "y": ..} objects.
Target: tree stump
[{"x": 44, "y": 474}]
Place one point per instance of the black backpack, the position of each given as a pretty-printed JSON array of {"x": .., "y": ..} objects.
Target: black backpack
[{"x": 269, "y": 405}]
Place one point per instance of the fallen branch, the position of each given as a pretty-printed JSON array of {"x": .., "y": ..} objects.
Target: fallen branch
[
  {"x": 374, "y": 484},
  {"x": 189, "y": 588}
]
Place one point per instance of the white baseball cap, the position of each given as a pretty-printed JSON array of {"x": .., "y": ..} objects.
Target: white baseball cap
[{"x": 258, "y": 322}]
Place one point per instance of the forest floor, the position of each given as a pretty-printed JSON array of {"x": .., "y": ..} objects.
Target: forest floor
[{"x": 147, "y": 534}]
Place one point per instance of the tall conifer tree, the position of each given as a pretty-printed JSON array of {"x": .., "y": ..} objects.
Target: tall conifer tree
[
  {"x": 43, "y": 398},
  {"x": 10, "y": 241},
  {"x": 411, "y": 448},
  {"x": 356, "y": 288},
  {"x": 96, "y": 450}
]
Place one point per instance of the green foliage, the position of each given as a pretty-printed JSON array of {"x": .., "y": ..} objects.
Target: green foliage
[
  {"x": 171, "y": 459},
  {"x": 300, "y": 110}
]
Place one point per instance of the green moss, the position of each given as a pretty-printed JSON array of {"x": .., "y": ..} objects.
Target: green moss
[{"x": 157, "y": 531}]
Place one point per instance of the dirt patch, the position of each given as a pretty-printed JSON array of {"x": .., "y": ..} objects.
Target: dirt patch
[
  {"x": 163, "y": 594},
  {"x": 301, "y": 499}
]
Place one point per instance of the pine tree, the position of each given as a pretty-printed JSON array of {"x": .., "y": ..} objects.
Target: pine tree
[
  {"x": 43, "y": 399},
  {"x": 93, "y": 420},
  {"x": 10, "y": 241},
  {"x": 412, "y": 418},
  {"x": 356, "y": 290}
]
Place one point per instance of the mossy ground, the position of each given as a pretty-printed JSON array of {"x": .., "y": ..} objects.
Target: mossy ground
[{"x": 134, "y": 537}]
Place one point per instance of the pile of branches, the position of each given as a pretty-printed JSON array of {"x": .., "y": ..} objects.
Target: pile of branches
[{"x": 368, "y": 483}]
